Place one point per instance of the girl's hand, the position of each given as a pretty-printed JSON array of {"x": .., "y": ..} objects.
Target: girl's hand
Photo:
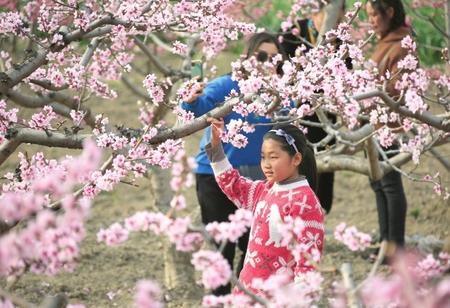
[{"x": 217, "y": 127}]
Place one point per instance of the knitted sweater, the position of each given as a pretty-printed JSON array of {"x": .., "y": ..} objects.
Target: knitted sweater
[{"x": 270, "y": 204}]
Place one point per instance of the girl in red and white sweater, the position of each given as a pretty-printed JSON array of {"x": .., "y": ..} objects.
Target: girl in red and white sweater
[{"x": 288, "y": 191}]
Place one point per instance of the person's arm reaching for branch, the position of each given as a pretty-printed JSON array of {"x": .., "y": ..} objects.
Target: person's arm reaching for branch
[{"x": 240, "y": 190}]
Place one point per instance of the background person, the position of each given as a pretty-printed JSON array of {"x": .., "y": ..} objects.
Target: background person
[
  {"x": 387, "y": 18},
  {"x": 308, "y": 30},
  {"x": 214, "y": 204}
]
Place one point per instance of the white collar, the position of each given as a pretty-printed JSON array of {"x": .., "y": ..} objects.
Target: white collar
[{"x": 285, "y": 187}]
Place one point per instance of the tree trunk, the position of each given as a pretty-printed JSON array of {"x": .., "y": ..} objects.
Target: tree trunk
[
  {"x": 332, "y": 11},
  {"x": 372, "y": 156},
  {"x": 179, "y": 274},
  {"x": 447, "y": 15}
]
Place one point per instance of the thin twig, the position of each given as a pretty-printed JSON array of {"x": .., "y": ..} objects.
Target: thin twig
[{"x": 15, "y": 300}]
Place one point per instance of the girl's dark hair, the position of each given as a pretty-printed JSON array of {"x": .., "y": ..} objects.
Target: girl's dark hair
[
  {"x": 398, "y": 19},
  {"x": 308, "y": 166}
]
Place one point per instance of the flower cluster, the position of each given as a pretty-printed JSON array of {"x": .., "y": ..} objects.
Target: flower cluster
[
  {"x": 238, "y": 224},
  {"x": 148, "y": 294},
  {"x": 182, "y": 178},
  {"x": 155, "y": 90},
  {"x": 410, "y": 284},
  {"x": 215, "y": 269},
  {"x": 7, "y": 118},
  {"x": 351, "y": 237},
  {"x": 43, "y": 119},
  {"x": 188, "y": 89},
  {"x": 233, "y": 135},
  {"x": 177, "y": 230},
  {"x": 49, "y": 242}
]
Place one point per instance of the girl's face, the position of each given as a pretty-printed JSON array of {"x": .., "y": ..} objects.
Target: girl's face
[
  {"x": 277, "y": 164},
  {"x": 380, "y": 23}
]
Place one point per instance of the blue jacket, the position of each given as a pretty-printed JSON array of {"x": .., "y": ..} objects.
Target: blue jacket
[{"x": 213, "y": 95}]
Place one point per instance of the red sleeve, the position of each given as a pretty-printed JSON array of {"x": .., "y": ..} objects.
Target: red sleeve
[{"x": 240, "y": 190}]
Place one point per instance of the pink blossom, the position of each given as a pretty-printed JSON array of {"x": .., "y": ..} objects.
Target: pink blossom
[
  {"x": 179, "y": 48},
  {"x": 414, "y": 102},
  {"x": 408, "y": 63},
  {"x": 385, "y": 137},
  {"x": 74, "y": 76},
  {"x": 155, "y": 91},
  {"x": 148, "y": 295},
  {"x": 184, "y": 116},
  {"x": 10, "y": 22},
  {"x": 188, "y": 89},
  {"x": 77, "y": 116},
  {"x": 351, "y": 237},
  {"x": 114, "y": 235},
  {"x": 408, "y": 43},
  {"x": 5, "y": 303},
  {"x": 230, "y": 300},
  {"x": 178, "y": 202},
  {"x": 215, "y": 269},
  {"x": 43, "y": 119}
]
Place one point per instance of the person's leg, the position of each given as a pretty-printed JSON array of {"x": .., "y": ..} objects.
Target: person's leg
[
  {"x": 396, "y": 207},
  {"x": 215, "y": 206},
  {"x": 382, "y": 208},
  {"x": 325, "y": 190},
  {"x": 242, "y": 244}
]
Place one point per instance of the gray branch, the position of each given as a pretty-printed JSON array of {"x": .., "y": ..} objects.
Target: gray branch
[
  {"x": 89, "y": 52},
  {"x": 63, "y": 105},
  {"x": 332, "y": 11},
  {"x": 372, "y": 157},
  {"x": 166, "y": 71},
  {"x": 130, "y": 85},
  {"x": 50, "y": 139},
  {"x": 424, "y": 117},
  {"x": 20, "y": 135},
  {"x": 196, "y": 125},
  {"x": 7, "y": 148}
]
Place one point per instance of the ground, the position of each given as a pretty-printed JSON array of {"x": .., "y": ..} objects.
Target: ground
[{"x": 106, "y": 277}]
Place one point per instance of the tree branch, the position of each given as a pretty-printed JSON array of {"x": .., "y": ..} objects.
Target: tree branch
[
  {"x": 372, "y": 157},
  {"x": 14, "y": 76},
  {"x": 89, "y": 52},
  {"x": 135, "y": 89},
  {"x": 166, "y": 71},
  {"x": 352, "y": 299},
  {"x": 196, "y": 125},
  {"x": 15, "y": 300},
  {"x": 50, "y": 139},
  {"x": 424, "y": 117},
  {"x": 63, "y": 106},
  {"x": 6, "y": 149}
]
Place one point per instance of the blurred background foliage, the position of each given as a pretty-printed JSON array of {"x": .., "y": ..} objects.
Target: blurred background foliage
[
  {"x": 424, "y": 22},
  {"x": 427, "y": 23}
]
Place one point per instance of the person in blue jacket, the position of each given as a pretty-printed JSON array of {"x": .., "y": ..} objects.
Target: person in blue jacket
[{"x": 214, "y": 205}]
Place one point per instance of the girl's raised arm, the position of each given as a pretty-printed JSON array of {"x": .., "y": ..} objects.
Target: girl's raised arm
[{"x": 240, "y": 190}]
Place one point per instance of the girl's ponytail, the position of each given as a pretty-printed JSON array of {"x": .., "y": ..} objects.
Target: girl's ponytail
[{"x": 308, "y": 166}]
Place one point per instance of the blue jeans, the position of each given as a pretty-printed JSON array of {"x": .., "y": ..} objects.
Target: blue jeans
[{"x": 391, "y": 206}]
